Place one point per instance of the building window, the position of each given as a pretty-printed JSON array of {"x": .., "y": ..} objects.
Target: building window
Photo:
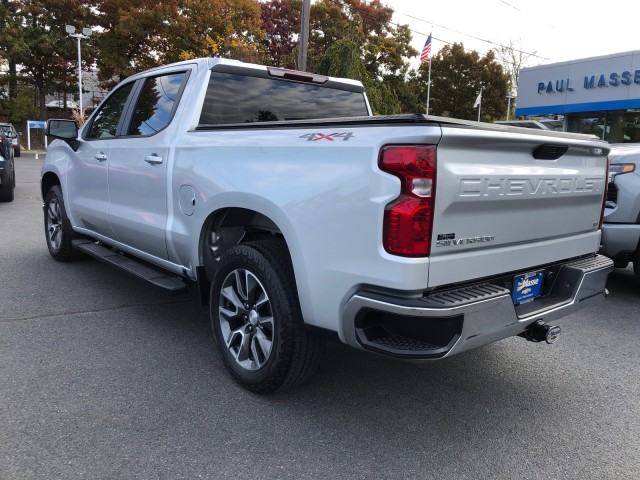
[{"x": 614, "y": 126}]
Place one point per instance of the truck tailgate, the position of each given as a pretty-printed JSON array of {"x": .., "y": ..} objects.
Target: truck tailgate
[{"x": 505, "y": 194}]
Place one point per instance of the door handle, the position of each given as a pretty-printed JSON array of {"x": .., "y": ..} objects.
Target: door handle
[
  {"x": 101, "y": 157},
  {"x": 153, "y": 159}
]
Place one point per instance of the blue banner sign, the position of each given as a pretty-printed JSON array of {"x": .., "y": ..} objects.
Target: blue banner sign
[{"x": 36, "y": 124}]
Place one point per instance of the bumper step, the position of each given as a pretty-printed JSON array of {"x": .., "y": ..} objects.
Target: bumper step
[
  {"x": 576, "y": 282},
  {"x": 403, "y": 344},
  {"x": 140, "y": 269},
  {"x": 461, "y": 296}
]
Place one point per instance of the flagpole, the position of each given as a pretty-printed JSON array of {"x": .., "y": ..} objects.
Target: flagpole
[
  {"x": 424, "y": 57},
  {"x": 428, "y": 87}
]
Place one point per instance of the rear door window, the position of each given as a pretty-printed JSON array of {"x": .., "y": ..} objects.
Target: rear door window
[{"x": 156, "y": 104}]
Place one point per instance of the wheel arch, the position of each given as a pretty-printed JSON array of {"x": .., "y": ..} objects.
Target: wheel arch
[
  {"x": 49, "y": 179},
  {"x": 227, "y": 227}
]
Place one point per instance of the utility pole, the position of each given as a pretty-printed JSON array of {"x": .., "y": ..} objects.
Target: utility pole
[{"x": 303, "y": 45}]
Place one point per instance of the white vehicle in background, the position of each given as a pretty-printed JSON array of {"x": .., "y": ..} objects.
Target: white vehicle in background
[
  {"x": 61, "y": 104},
  {"x": 621, "y": 228},
  {"x": 299, "y": 215}
]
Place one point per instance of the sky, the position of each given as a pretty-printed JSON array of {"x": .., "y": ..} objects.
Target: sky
[{"x": 556, "y": 30}]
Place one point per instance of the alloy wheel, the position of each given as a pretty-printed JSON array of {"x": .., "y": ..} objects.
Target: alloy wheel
[
  {"x": 54, "y": 224},
  {"x": 246, "y": 319}
]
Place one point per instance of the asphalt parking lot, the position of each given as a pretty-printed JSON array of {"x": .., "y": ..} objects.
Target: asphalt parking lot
[{"x": 103, "y": 376}]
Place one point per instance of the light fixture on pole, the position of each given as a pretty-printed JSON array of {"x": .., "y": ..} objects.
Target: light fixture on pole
[
  {"x": 86, "y": 33},
  {"x": 509, "y": 97}
]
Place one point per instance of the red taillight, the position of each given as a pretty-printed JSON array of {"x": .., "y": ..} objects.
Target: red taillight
[
  {"x": 408, "y": 219},
  {"x": 604, "y": 198}
]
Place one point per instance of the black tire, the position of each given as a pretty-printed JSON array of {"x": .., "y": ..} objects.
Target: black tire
[
  {"x": 16, "y": 152},
  {"x": 636, "y": 264},
  {"x": 57, "y": 228},
  {"x": 7, "y": 191},
  {"x": 258, "y": 332}
]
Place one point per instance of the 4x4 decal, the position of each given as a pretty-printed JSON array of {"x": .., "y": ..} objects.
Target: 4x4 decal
[{"x": 314, "y": 137}]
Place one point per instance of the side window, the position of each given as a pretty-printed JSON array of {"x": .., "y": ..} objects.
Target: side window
[
  {"x": 155, "y": 104},
  {"x": 105, "y": 123}
]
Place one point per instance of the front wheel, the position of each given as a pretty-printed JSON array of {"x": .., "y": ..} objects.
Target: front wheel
[
  {"x": 58, "y": 231},
  {"x": 7, "y": 190},
  {"x": 256, "y": 318},
  {"x": 636, "y": 264}
]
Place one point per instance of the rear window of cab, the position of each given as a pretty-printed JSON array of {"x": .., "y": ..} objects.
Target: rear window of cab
[{"x": 234, "y": 99}]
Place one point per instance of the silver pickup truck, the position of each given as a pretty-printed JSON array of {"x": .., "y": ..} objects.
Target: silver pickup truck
[
  {"x": 298, "y": 215},
  {"x": 621, "y": 227}
]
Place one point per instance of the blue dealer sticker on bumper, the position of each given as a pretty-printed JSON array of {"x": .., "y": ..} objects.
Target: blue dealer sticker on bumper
[{"x": 527, "y": 287}]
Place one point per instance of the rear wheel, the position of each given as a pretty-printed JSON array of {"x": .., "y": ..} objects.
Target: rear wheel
[
  {"x": 256, "y": 319},
  {"x": 58, "y": 231},
  {"x": 636, "y": 264}
]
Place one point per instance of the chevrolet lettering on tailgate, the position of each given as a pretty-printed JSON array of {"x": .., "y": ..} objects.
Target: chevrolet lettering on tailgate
[{"x": 530, "y": 187}]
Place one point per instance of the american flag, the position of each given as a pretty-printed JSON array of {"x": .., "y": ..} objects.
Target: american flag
[{"x": 426, "y": 51}]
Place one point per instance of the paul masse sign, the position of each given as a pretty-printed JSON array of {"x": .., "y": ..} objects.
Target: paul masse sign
[{"x": 602, "y": 83}]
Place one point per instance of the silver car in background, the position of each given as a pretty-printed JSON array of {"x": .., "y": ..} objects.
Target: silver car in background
[{"x": 621, "y": 227}]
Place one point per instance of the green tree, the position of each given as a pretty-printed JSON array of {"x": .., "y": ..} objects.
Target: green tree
[
  {"x": 37, "y": 48},
  {"x": 384, "y": 48},
  {"x": 21, "y": 107},
  {"x": 456, "y": 79},
  {"x": 344, "y": 59},
  {"x": 225, "y": 28},
  {"x": 131, "y": 36},
  {"x": 11, "y": 43},
  {"x": 348, "y": 38},
  {"x": 408, "y": 87},
  {"x": 139, "y": 35}
]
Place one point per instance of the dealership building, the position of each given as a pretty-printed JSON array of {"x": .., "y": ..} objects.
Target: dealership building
[{"x": 599, "y": 95}]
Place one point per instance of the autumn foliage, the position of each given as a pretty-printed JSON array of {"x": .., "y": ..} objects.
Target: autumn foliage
[{"x": 350, "y": 38}]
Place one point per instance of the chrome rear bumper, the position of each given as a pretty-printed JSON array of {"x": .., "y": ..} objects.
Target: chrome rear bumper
[{"x": 452, "y": 321}]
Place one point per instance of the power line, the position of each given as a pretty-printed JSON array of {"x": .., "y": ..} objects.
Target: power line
[
  {"x": 370, "y": 15},
  {"x": 466, "y": 35},
  {"x": 509, "y": 5},
  {"x": 522, "y": 12}
]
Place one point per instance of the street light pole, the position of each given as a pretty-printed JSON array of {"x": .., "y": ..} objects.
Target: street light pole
[
  {"x": 509, "y": 97},
  {"x": 86, "y": 33}
]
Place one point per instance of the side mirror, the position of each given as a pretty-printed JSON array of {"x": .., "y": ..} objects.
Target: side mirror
[{"x": 66, "y": 130}]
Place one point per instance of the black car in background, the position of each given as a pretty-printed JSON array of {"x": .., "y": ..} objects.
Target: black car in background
[
  {"x": 14, "y": 139},
  {"x": 7, "y": 170}
]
